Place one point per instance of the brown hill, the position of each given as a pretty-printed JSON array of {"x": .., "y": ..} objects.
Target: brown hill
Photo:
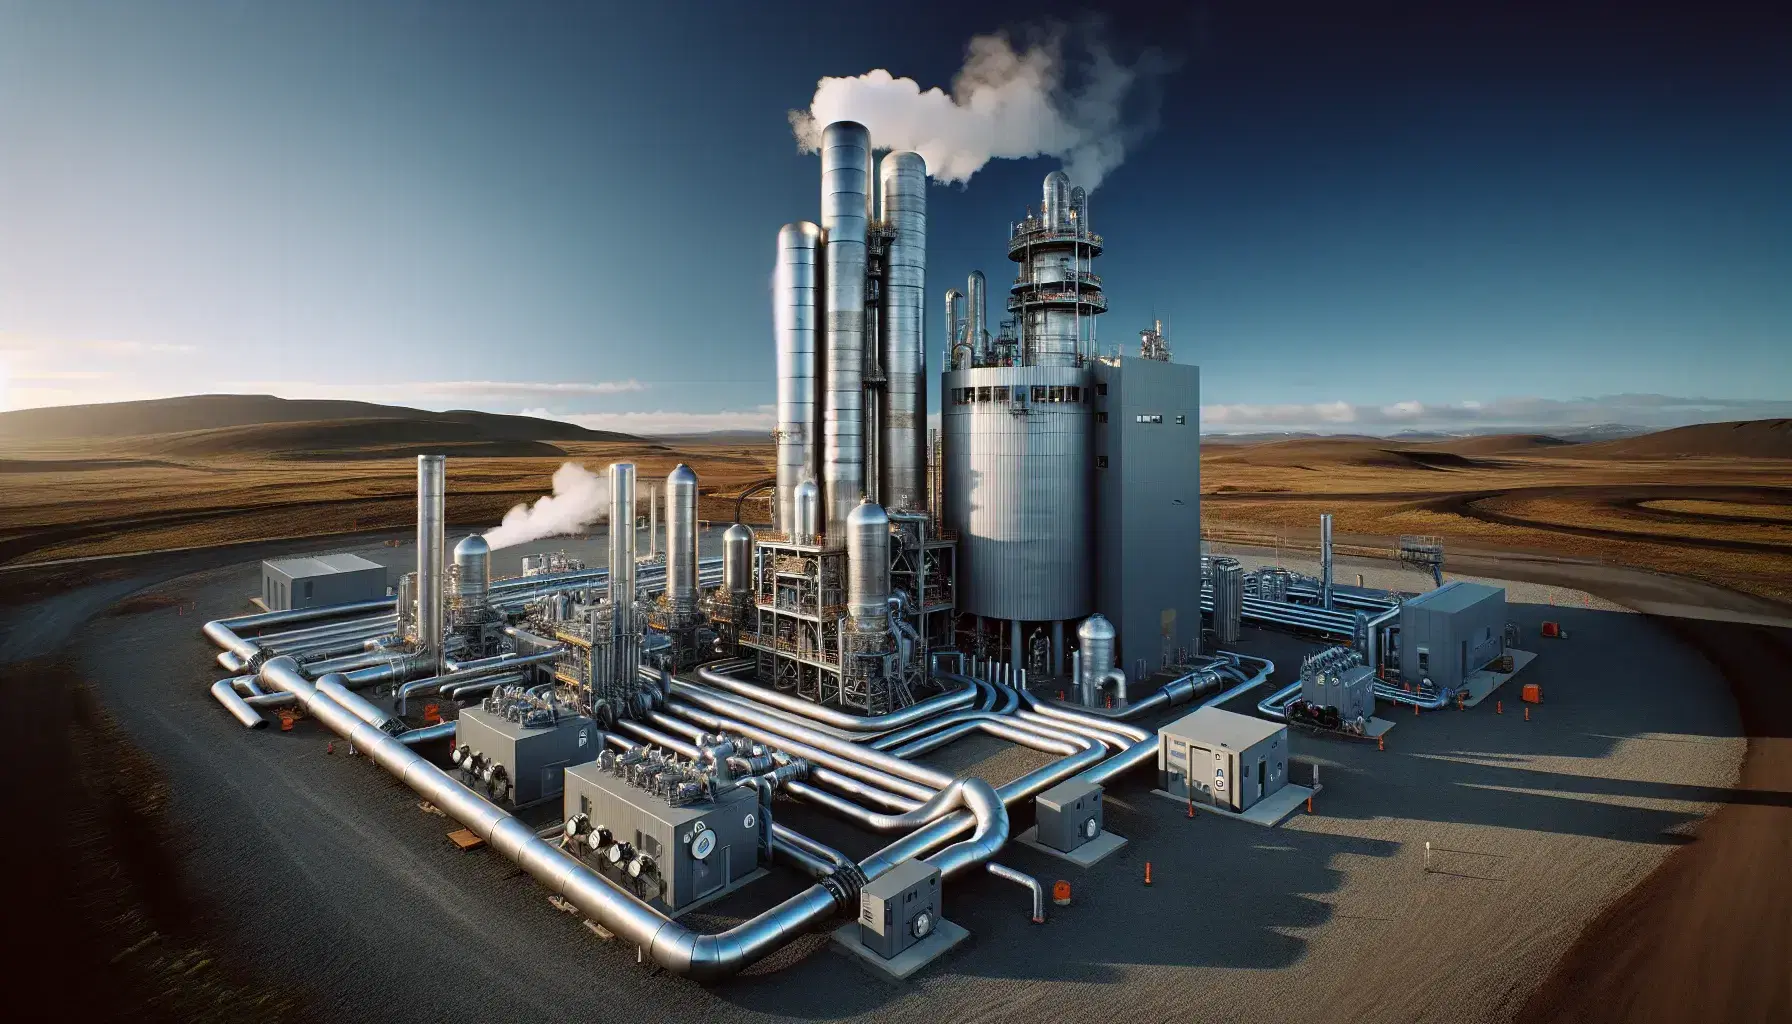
[
  {"x": 1494, "y": 444},
  {"x": 1745, "y": 439},
  {"x": 1315, "y": 453},
  {"x": 349, "y": 439},
  {"x": 212, "y": 412}
]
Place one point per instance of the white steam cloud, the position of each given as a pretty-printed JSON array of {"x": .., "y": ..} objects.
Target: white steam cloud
[
  {"x": 1005, "y": 104},
  {"x": 580, "y": 498}
]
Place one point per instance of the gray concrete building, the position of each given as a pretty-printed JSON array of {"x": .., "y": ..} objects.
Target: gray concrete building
[
  {"x": 318, "y": 581},
  {"x": 1448, "y": 633}
]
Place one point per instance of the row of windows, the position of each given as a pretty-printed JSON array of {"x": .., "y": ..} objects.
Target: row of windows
[
  {"x": 1153, "y": 417},
  {"x": 1040, "y": 393}
]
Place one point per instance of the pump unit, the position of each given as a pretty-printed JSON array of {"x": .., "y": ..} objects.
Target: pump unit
[
  {"x": 1069, "y": 815},
  {"x": 899, "y": 908},
  {"x": 518, "y": 756},
  {"x": 622, "y": 818}
]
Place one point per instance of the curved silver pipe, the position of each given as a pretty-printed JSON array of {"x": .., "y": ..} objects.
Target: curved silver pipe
[
  {"x": 962, "y": 697},
  {"x": 660, "y": 739},
  {"x": 484, "y": 684},
  {"x": 328, "y": 629},
  {"x": 672, "y": 945},
  {"x": 1112, "y": 739},
  {"x": 849, "y": 786},
  {"x": 1051, "y": 709},
  {"x": 1001, "y": 728},
  {"x": 1276, "y": 704},
  {"x": 1025, "y": 881},
  {"x": 397, "y": 666},
  {"x": 750, "y": 724},
  {"x": 225, "y": 692},
  {"x": 1437, "y": 698}
]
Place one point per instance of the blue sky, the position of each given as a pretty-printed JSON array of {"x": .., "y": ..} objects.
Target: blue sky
[{"x": 1362, "y": 219}]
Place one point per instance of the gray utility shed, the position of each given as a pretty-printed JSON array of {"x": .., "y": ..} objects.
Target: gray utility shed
[
  {"x": 1147, "y": 514},
  {"x": 1220, "y": 758},
  {"x": 318, "y": 581},
  {"x": 1451, "y": 632}
]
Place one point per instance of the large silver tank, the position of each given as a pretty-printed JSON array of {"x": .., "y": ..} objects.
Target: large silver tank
[
  {"x": 795, "y": 325},
  {"x": 868, "y": 566},
  {"x": 1228, "y": 599},
  {"x": 472, "y": 568},
  {"x": 622, "y": 543},
  {"x": 1017, "y": 482},
  {"x": 902, "y": 456},
  {"x": 1095, "y": 646},
  {"x": 681, "y": 538},
  {"x": 737, "y": 560},
  {"x": 845, "y": 216},
  {"x": 976, "y": 330},
  {"x": 1055, "y": 202},
  {"x": 806, "y": 506},
  {"x": 432, "y": 543}
]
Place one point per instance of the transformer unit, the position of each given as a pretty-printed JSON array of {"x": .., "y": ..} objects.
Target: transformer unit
[
  {"x": 1217, "y": 757},
  {"x": 1069, "y": 815},
  {"x": 899, "y": 908},
  {"x": 519, "y": 751},
  {"x": 669, "y": 854}
]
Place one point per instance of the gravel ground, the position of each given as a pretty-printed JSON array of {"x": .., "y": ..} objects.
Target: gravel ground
[{"x": 323, "y": 873}]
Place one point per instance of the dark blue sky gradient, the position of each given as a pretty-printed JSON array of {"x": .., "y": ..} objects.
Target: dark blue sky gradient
[{"x": 1435, "y": 203}]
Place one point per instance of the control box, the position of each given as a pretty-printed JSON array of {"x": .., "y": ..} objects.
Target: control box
[
  {"x": 521, "y": 764},
  {"x": 899, "y": 908},
  {"x": 1069, "y": 815}
]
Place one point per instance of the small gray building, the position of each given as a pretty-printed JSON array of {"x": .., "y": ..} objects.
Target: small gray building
[
  {"x": 1451, "y": 632},
  {"x": 1217, "y": 757},
  {"x": 318, "y": 581}
]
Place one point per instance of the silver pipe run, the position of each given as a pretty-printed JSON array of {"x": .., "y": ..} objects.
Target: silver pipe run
[
  {"x": 1025, "y": 881},
  {"x": 845, "y": 216},
  {"x": 226, "y": 632},
  {"x": 962, "y": 697},
  {"x": 670, "y": 944},
  {"x": 621, "y": 578},
  {"x": 474, "y": 670}
]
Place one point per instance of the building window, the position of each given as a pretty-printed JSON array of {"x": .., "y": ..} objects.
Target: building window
[
  {"x": 1101, "y": 389},
  {"x": 1101, "y": 417},
  {"x": 1075, "y": 395},
  {"x": 983, "y": 393},
  {"x": 1101, "y": 462},
  {"x": 1002, "y": 393},
  {"x": 1150, "y": 417},
  {"x": 1181, "y": 420},
  {"x": 1424, "y": 660},
  {"x": 1038, "y": 392}
]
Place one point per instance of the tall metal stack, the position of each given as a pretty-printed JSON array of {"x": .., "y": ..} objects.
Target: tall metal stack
[
  {"x": 902, "y": 451},
  {"x": 431, "y": 554},
  {"x": 1228, "y": 599}
]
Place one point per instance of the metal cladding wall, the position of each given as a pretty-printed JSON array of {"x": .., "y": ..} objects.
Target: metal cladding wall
[
  {"x": 1148, "y": 506},
  {"x": 1459, "y": 627},
  {"x": 1017, "y": 492},
  {"x": 796, "y": 291},
  {"x": 902, "y": 457},
  {"x": 845, "y": 216}
]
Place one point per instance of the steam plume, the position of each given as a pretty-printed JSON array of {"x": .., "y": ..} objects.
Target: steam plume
[
  {"x": 580, "y": 498},
  {"x": 1005, "y": 104}
]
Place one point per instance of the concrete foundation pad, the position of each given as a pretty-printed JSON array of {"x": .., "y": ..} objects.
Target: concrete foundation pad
[
  {"x": 1084, "y": 856},
  {"x": 1479, "y": 684},
  {"x": 1269, "y": 812},
  {"x": 946, "y": 935}
]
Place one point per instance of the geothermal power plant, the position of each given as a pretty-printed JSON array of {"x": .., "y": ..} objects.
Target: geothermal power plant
[{"x": 633, "y": 735}]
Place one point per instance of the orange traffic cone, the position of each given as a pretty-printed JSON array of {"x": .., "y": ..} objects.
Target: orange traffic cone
[{"x": 1147, "y": 872}]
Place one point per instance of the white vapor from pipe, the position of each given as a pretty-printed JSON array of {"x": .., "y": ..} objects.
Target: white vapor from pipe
[
  {"x": 1004, "y": 104},
  {"x": 580, "y": 498}
]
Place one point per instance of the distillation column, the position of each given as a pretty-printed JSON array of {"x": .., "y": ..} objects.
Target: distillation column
[
  {"x": 431, "y": 553},
  {"x": 845, "y": 217},
  {"x": 902, "y": 457},
  {"x": 795, "y": 318}
]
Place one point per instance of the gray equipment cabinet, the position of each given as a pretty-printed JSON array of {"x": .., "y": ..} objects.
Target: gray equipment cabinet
[
  {"x": 1069, "y": 815},
  {"x": 1228, "y": 760},
  {"x": 899, "y": 908},
  {"x": 318, "y": 581},
  {"x": 533, "y": 759},
  {"x": 642, "y": 841},
  {"x": 1452, "y": 632}
]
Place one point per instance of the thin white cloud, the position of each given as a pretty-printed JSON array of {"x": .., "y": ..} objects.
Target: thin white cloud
[
  {"x": 15, "y": 344},
  {"x": 407, "y": 392},
  {"x": 1513, "y": 413},
  {"x": 667, "y": 422}
]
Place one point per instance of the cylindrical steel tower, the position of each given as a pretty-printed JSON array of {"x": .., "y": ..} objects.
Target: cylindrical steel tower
[
  {"x": 1228, "y": 599},
  {"x": 902, "y": 456},
  {"x": 622, "y": 546},
  {"x": 1095, "y": 646},
  {"x": 868, "y": 567},
  {"x": 472, "y": 565},
  {"x": 737, "y": 560},
  {"x": 681, "y": 539},
  {"x": 954, "y": 322},
  {"x": 432, "y": 543},
  {"x": 845, "y": 217},
  {"x": 1057, "y": 295},
  {"x": 977, "y": 317},
  {"x": 806, "y": 513},
  {"x": 796, "y": 291}
]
